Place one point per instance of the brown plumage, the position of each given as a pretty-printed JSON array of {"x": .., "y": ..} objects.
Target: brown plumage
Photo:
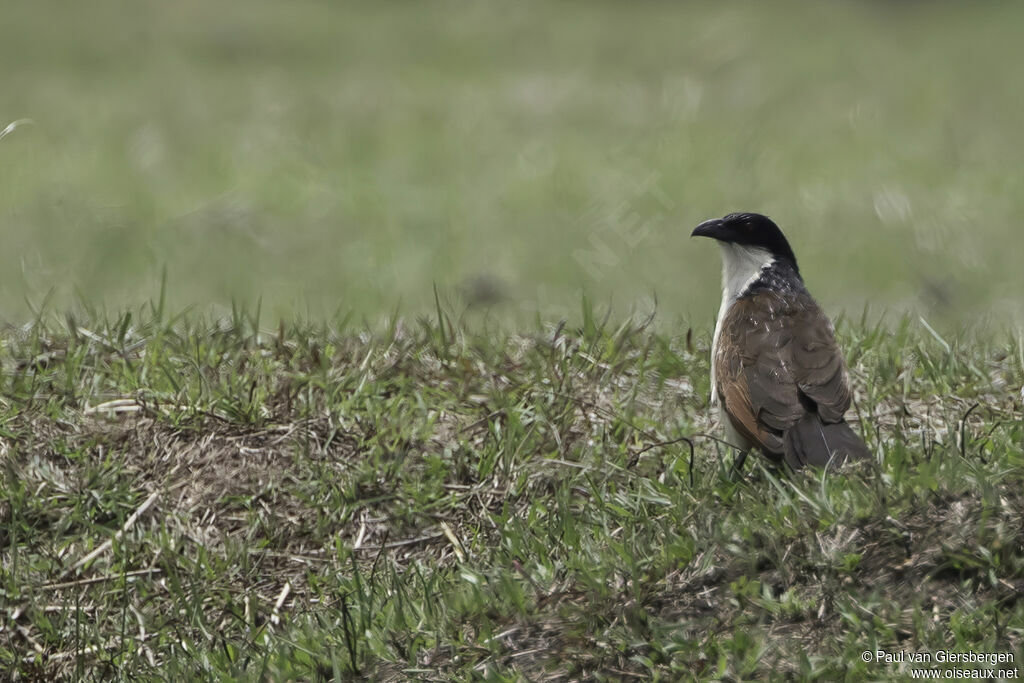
[{"x": 782, "y": 380}]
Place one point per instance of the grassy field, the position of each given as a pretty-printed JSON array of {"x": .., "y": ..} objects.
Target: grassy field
[
  {"x": 367, "y": 447},
  {"x": 203, "y": 499},
  {"x": 346, "y": 156}
]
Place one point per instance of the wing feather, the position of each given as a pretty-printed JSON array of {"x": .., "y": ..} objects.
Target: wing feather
[{"x": 777, "y": 360}]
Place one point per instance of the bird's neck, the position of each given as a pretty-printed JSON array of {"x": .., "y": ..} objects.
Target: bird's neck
[{"x": 742, "y": 266}]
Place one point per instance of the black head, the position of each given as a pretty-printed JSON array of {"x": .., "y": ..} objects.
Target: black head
[{"x": 751, "y": 230}]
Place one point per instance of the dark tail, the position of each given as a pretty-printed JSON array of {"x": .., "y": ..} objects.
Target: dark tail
[{"x": 813, "y": 442}]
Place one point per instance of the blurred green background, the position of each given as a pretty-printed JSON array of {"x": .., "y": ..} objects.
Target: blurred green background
[{"x": 334, "y": 157}]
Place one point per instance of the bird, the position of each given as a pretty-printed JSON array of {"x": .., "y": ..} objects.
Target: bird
[{"x": 778, "y": 376}]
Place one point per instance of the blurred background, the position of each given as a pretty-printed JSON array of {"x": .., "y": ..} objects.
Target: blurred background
[{"x": 345, "y": 158}]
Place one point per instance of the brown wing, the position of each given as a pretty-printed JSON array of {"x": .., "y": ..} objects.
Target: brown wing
[{"x": 778, "y": 360}]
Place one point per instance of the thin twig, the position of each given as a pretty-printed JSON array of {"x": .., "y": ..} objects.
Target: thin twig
[
  {"x": 100, "y": 579},
  {"x": 963, "y": 425},
  {"x": 567, "y": 463},
  {"x": 275, "y": 616},
  {"x": 485, "y": 419},
  {"x": 399, "y": 544},
  {"x": 453, "y": 539},
  {"x": 106, "y": 545},
  {"x": 636, "y": 456},
  {"x": 89, "y": 650}
]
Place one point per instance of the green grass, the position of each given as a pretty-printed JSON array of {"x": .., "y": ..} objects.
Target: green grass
[
  {"x": 345, "y": 156},
  {"x": 246, "y": 491},
  {"x": 427, "y": 501}
]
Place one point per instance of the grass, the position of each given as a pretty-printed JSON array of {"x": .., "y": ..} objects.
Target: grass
[
  {"x": 344, "y": 156},
  {"x": 199, "y": 498},
  {"x": 210, "y": 495}
]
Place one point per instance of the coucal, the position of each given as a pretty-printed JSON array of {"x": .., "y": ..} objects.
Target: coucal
[{"x": 777, "y": 375}]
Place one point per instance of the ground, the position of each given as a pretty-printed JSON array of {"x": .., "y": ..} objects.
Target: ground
[{"x": 194, "y": 498}]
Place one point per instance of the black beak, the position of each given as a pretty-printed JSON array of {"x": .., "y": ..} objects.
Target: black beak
[{"x": 711, "y": 228}]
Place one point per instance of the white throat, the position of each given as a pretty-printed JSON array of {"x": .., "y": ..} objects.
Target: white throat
[{"x": 741, "y": 267}]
